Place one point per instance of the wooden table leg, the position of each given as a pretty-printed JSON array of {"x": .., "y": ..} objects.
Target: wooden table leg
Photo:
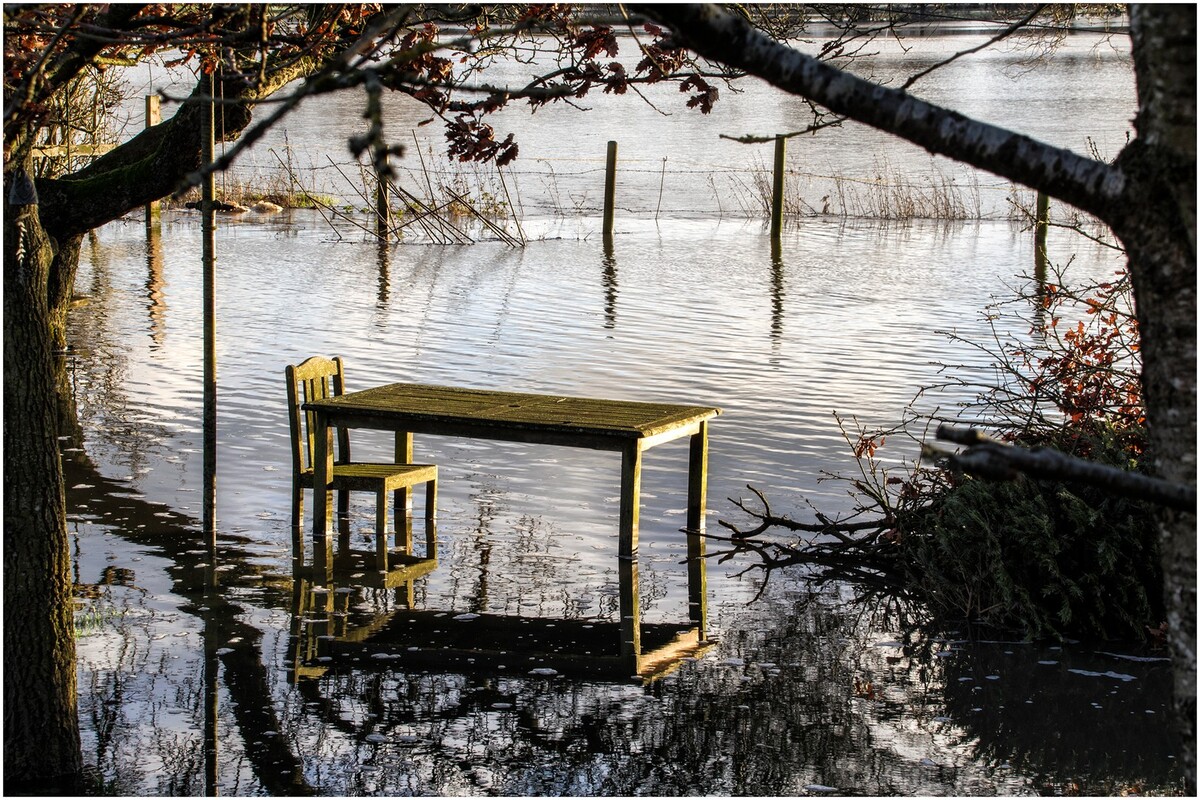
[
  {"x": 697, "y": 569},
  {"x": 630, "y": 611},
  {"x": 322, "y": 473},
  {"x": 698, "y": 479},
  {"x": 631, "y": 486},
  {"x": 403, "y": 496}
]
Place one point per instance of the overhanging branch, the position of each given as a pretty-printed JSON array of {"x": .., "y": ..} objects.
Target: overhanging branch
[{"x": 1085, "y": 183}]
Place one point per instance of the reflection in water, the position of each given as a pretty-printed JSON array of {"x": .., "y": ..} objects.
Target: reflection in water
[
  {"x": 155, "y": 283},
  {"x": 800, "y": 689},
  {"x": 1052, "y": 711},
  {"x": 212, "y": 641},
  {"x": 331, "y": 630},
  {"x": 777, "y": 294},
  {"x": 609, "y": 281},
  {"x": 383, "y": 257}
]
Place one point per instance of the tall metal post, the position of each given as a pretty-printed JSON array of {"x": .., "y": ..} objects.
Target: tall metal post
[
  {"x": 208, "y": 255},
  {"x": 153, "y": 117}
]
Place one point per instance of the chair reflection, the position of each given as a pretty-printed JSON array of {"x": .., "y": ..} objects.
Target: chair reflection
[{"x": 348, "y": 616}]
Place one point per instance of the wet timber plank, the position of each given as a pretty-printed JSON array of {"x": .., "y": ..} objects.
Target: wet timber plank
[{"x": 455, "y": 407}]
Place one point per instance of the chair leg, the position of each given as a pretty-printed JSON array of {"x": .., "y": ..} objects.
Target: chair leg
[
  {"x": 381, "y": 542},
  {"x": 297, "y": 522},
  {"x": 297, "y": 506},
  {"x": 343, "y": 506},
  {"x": 404, "y": 535}
]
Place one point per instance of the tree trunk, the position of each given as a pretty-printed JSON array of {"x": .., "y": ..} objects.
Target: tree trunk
[
  {"x": 41, "y": 726},
  {"x": 1158, "y": 226},
  {"x": 60, "y": 286}
]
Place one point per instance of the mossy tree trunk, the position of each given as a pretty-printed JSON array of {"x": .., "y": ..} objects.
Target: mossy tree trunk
[{"x": 41, "y": 727}]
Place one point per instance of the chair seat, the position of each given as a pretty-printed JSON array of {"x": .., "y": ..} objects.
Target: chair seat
[{"x": 364, "y": 476}]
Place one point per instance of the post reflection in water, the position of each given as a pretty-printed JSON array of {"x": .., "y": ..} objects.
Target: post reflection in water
[
  {"x": 776, "y": 294},
  {"x": 609, "y": 281},
  {"x": 346, "y": 614},
  {"x": 156, "y": 304},
  {"x": 212, "y": 640},
  {"x": 383, "y": 256}
]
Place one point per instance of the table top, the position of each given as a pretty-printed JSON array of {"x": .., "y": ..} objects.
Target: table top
[{"x": 430, "y": 407}]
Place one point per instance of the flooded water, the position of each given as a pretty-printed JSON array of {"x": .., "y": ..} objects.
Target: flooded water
[{"x": 499, "y": 670}]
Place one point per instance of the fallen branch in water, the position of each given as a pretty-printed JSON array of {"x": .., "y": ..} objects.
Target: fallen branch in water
[
  {"x": 769, "y": 520},
  {"x": 862, "y": 551}
]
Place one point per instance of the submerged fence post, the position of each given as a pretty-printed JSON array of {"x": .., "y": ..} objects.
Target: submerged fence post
[
  {"x": 777, "y": 188},
  {"x": 153, "y": 117},
  {"x": 610, "y": 187},
  {"x": 1041, "y": 227},
  {"x": 383, "y": 211}
]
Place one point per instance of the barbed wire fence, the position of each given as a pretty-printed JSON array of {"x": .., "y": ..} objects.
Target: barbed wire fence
[{"x": 646, "y": 188}]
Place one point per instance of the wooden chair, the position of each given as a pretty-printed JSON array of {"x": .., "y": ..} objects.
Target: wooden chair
[{"x": 318, "y": 378}]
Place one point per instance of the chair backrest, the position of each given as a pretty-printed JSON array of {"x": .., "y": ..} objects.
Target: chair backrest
[{"x": 314, "y": 378}]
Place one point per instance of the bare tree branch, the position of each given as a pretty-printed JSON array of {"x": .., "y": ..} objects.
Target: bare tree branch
[
  {"x": 1088, "y": 184},
  {"x": 1009, "y": 31}
]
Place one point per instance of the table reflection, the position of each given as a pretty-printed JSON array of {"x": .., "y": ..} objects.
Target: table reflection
[{"x": 348, "y": 615}]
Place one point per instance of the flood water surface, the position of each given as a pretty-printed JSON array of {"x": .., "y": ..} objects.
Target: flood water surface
[
  {"x": 499, "y": 670},
  {"x": 506, "y": 665}
]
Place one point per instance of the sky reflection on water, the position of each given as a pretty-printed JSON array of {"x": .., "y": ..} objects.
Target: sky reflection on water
[{"x": 803, "y": 689}]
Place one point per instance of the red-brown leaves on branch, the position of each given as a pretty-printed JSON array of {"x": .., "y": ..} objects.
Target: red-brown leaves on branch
[
  {"x": 1091, "y": 371},
  {"x": 867, "y": 444},
  {"x": 707, "y": 94},
  {"x": 593, "y": 42},
  {"x": 551, "y": 15},
  {"x": 662, "y": 59},
  {"x": 617, "y": 81},
  {"x": 418, "y": 46},
  {"x": 472, "y": 140}
]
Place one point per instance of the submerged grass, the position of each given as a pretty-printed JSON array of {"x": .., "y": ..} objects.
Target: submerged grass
[
  {"x": 93, "y": 618},
  {"x": 884, "y": 193}
]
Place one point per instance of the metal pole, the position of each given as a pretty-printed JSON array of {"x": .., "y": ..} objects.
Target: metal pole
[
  {"x": 153, "y": 117},
  {"x": 208, "y": 255}
]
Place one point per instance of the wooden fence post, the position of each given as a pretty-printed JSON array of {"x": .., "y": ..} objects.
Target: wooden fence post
[
  {"x": 610, "y": 187},
  {"x": 777, "y": 188},
  {"x": 383, "y": 211},
  {"x": 1040, "y": 228}
]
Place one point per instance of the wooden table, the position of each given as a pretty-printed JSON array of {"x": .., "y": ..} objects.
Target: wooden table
[{"x": 629, "y": 428}]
